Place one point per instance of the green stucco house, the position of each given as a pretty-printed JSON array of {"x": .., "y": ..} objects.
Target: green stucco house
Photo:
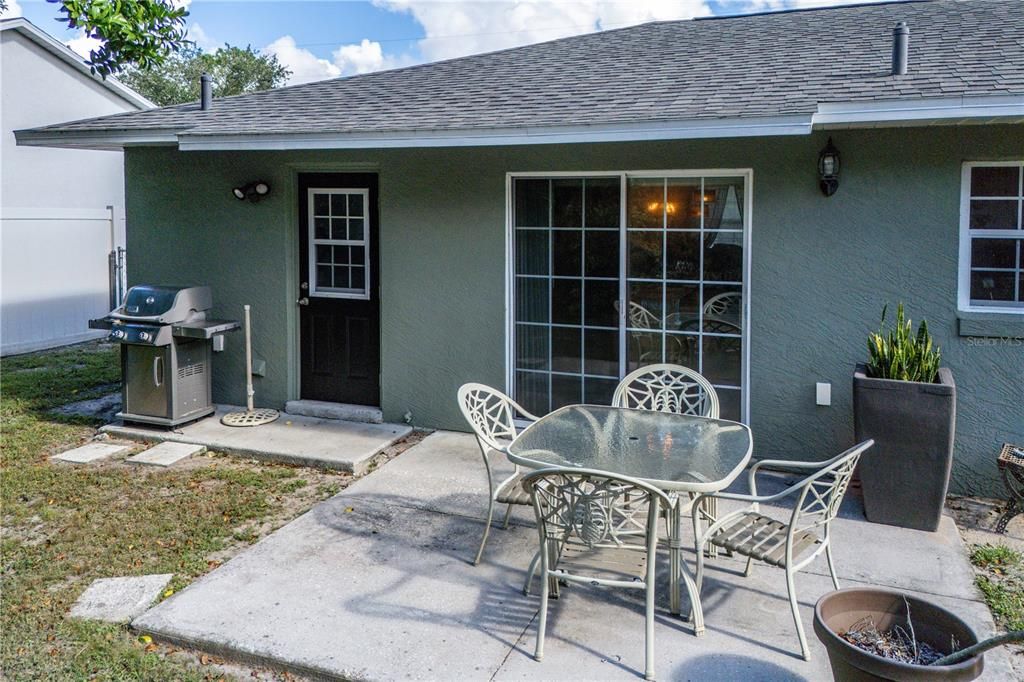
[{"x": 546, "y": 218}]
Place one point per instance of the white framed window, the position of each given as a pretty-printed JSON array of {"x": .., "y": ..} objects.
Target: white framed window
[
  {"x": 609, "y": 271},
  {"x": 992, "y": 237},
  {"x": 339, "y": 243}
]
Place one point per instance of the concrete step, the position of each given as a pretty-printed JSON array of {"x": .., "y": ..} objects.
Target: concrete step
[{"x": 340, "y": 411}]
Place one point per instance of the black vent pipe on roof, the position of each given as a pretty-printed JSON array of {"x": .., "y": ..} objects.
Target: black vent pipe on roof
[
  {"x": 900, "y": 45},
  {"x": 205, "y": 92}
]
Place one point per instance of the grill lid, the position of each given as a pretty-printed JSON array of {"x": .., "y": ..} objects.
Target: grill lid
[{"x": 164, "y": 305}]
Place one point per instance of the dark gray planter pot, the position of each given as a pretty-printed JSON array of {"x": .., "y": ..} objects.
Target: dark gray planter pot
[
  {"x": 906, "y": 475},
  {"x": 837, "y": 611}
]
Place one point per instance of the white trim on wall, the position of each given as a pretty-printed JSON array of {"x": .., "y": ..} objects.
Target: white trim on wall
[
  {"x": 748, "y": 176},
  {"x": 965, "y": 234}
]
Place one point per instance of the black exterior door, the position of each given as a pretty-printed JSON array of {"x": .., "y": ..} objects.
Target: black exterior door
[{"x": 339, "y": 287}]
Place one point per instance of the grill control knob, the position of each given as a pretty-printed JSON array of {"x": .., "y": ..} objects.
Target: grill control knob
[
  {"x": 117, "y": 334},
  {"x": 144, "y": 336}
]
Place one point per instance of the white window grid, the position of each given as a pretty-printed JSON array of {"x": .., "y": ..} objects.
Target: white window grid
[
  {"x": 315, "y": 289},
  {"x": 624, "y": 280},
  {"x": 968, "y": 236}
]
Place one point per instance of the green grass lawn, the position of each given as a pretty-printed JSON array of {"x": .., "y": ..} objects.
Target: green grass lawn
[
  {"x": 1001, "y": 580},
  {"x": 65, "y": 525}
]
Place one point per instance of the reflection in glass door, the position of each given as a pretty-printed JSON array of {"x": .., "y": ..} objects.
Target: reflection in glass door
[{"x": 586, "y": 311}]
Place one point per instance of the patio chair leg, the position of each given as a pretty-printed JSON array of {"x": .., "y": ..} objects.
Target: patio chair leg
[
  {"x": 649, "y": 632},
  {"x": 699, "y": 577},
  {"x": 542, "y": 623},
  {"x": 487, "y": 530},
  {"x": 530, "y": 572},
  {"x": 709, "y": 510},
  {"x": 831, "y": 565},
  {"x": 749, "y": 568},
  {"x": 508, "y": 513},
  {"x": 1013, "y": 508},
  {"x": 790, "y": 585}
]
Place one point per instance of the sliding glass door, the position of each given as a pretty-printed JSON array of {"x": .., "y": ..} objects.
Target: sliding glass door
[{"x": 615, "y": 271}]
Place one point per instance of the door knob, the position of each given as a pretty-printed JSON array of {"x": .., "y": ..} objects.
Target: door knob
[{"x": 303, "y": 301}]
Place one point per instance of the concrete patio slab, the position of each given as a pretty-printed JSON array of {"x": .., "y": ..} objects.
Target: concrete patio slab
[
  {"x": 307, "y": 441},
  {"x": 443, "y": 473},
  {"x": 90, "y": 452},
  {"x": 376, "y": 583},
  {"x": 166, "y": 454},
  {"x": 119, "y": 600}
]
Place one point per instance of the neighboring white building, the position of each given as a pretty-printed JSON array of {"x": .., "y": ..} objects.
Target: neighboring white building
[{"x": 61, "y": 210}]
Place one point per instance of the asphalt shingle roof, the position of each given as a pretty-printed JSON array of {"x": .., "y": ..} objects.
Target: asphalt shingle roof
[{"x": 746, "y": 66}]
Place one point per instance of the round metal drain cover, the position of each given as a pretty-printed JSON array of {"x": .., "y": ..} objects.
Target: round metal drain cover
[{"x": 250, "y": 418}]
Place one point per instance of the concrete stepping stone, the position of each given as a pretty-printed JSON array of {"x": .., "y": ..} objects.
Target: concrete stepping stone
[
  {"x": 90, "y": 452},
  {"x": 119, "y": 600},
  {"x": 167, "y": 453}
]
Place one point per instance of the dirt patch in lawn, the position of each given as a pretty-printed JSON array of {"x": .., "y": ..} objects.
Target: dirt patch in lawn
[{"x": 65, "y": 525}]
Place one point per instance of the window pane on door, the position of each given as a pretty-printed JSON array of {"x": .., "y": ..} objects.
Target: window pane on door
[
  {"x": 682, "y": 203},
  {"x": 602, "y": 198},
  {"x": 723, "y": 203}
]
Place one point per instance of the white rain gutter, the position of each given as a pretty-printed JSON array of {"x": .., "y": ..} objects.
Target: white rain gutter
[
  {"x": 938, "y": 111},
  {"x": 616, "y": 132},
  {"x": 829, "y": 116}
]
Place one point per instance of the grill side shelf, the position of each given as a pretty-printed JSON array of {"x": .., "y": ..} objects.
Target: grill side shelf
[{"x": 205, "y": 329}]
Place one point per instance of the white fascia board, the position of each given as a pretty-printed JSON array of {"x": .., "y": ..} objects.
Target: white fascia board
[
  {"x": 100, "y": 139},
  {"x": 621, "y": 132},
  {"x": 990, "y": 109}
]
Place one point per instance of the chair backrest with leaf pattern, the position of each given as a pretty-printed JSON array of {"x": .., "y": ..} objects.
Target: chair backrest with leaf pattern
[
  {"x": 594, "y": 508},
  {"x": 667, "y": 388},
  {"x": 490, "y": 413}
]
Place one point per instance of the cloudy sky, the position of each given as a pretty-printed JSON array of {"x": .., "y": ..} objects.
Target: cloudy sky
[{"x": 327, "y": 39}]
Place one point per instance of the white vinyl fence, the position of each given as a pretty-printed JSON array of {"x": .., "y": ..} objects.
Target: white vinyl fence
[{"x": 55, "y": 274}]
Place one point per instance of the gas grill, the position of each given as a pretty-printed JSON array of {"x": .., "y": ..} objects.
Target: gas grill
[{"x": 166, "y": 345}]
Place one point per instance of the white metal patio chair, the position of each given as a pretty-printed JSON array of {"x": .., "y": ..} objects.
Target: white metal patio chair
[
  {"x": 667, "y": 388},
  {"x": 792, "y": 545},
  {"x": 671, "y": 388},
  {"x": 492, "y": 414},
  {"x": 598, "y": 529}
]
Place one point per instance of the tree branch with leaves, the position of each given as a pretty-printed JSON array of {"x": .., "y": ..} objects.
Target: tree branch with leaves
[{"x": 143, "y": 33}]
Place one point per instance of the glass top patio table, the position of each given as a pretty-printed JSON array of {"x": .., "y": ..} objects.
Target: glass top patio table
[{"x": 670, "y": 451}]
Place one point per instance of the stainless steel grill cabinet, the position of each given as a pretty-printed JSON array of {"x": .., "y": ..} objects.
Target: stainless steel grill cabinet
[{"x": 166, "y": 348}]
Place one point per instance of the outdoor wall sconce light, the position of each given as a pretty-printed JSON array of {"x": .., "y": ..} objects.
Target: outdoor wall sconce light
[
  {"x": 828, "y": 169},
  {"x": 254, "y": 191}
]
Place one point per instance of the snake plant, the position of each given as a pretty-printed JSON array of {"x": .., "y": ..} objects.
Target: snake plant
[{"x": 899, "y": 354}]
